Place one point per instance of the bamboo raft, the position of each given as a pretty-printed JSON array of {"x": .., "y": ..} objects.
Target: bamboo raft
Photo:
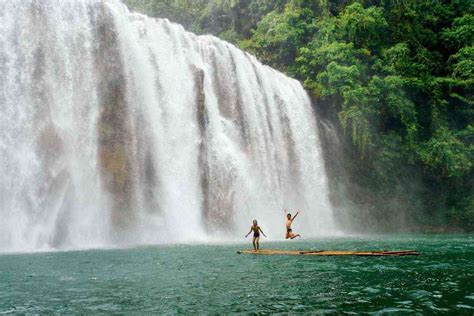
[{"x": 379, "y": 253}]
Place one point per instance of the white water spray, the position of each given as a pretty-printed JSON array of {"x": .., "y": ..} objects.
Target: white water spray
[{"x": 116, "y": 129}]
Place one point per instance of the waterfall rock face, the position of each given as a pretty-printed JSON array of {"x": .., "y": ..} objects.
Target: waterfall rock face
[{"x": 120, "y": 129}]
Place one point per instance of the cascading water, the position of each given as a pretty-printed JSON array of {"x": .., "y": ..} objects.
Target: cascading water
[{"x": 116, "y": 128}]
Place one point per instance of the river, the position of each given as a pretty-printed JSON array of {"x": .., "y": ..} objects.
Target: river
[{"x": 215, "y": 279}]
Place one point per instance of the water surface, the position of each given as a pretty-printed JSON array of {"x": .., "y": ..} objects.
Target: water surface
[{"x": 214, "y": 279}]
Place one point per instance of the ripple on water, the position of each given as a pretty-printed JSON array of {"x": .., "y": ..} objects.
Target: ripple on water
[
  {"x": 419, "y": 294},
  {"x": 371, "y": 290},
  {"x": 392, "y": 310},
  {"x": 464, "y": 306}
]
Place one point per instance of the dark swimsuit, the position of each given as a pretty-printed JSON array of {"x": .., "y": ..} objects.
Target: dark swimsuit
[
  {"x": 256, "y": 233},
  {"x": 289, "y": 230}
]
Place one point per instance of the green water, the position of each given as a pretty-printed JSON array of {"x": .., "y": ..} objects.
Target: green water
[{"x": 214, "y": 279}]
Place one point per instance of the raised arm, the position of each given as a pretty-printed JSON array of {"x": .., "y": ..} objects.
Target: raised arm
[
  {"x": 295, "y": 215},
  {"x": 262, "y": 232}
]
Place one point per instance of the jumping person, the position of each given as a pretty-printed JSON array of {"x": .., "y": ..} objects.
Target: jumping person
[
  {"x": 256, "y": 235},
  {"x": 289, "y": 221}
]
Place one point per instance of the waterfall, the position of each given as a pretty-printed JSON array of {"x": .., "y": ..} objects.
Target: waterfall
[{"x": 119, "y": 129}]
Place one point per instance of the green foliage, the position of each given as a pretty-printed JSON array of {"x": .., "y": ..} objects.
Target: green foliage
[
  {"x": 279, "y": 35},
  {"x": 462, "y": 31},
  {"x": 363, "y": 27},
  {"x": 400, "y": 76},
  {"x": 231, "y": 19},
  {"x": 184, "y": 12},
  {"x": 448, "y": 154},
  {"x": 463, "y": 63}
]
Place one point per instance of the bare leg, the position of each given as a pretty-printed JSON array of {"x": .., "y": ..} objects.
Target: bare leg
[
  {"x": 257, "y": 242},
  {"x": 294, "y": 236},
  {"x": 254, "y": 243}
]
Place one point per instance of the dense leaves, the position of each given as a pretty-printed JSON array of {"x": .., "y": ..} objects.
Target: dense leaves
[{"x": 400, "y": 74}]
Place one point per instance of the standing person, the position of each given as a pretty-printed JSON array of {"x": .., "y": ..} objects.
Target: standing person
[
  {"x": 256, "y": 235},
  {"x": 289, "y": 221}
]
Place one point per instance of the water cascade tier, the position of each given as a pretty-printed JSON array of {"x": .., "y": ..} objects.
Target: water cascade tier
[{"x": 119, "y": 129}]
